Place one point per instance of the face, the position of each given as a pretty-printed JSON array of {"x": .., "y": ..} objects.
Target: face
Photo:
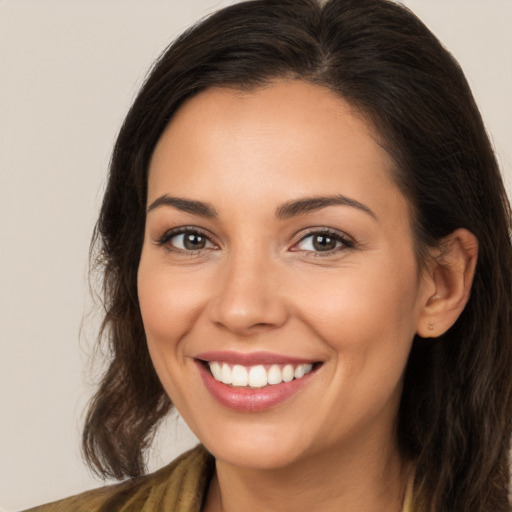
[{"x": 277, "y": 245}]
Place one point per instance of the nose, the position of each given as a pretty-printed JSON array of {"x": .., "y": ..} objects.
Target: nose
[{"x": 249, "y": 298}]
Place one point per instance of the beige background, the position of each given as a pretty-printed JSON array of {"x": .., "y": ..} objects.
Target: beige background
[{"x": 68, "y": 72}]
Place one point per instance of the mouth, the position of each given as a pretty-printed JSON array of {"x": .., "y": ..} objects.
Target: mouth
[
  {"x": 257, "y": 376},
  {"x": 256, "y": 382}
]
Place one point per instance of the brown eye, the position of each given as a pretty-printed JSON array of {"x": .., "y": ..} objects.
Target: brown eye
[
  {"x": 187, "y": 241},
  {"x": 194, "y": 241},
  {"x": 325, "y": 242}
]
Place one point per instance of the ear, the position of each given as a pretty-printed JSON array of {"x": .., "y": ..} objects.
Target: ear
[{"x": 447, "y": 283}]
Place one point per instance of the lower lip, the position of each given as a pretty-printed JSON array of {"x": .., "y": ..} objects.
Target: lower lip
[{"x": 251, "y": 399}]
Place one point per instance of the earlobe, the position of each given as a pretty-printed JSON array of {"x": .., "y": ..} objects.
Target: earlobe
[{"x": 451, "y": 273}]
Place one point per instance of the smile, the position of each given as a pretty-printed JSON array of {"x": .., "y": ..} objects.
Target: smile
[
  {"x": 254, "y": 382},
  {"x": 257, "y": 376}
]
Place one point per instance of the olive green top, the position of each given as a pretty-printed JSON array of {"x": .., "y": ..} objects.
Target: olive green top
[{"x": 179, "y": 487}]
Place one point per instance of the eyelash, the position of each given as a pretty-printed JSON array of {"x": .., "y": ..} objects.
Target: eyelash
[
  {"x": 186, "y": 230},
  {"x": 346, "y": 242}
]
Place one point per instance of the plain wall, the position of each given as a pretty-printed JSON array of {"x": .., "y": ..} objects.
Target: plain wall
[{"x": 68, "y": 72}]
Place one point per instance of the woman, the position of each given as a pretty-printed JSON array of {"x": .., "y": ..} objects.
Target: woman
[{"x": 305, "y": 246}]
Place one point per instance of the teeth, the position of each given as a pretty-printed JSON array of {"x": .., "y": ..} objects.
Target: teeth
[
  {"x": 257, "y": 376},
  {"x": 216, "y": 370},
  {"x": 288, "y": 373},
  {"x": 274, "y": 375},
  {"x": 240, "y": 377},
  {"x": 226, "y": 376}
]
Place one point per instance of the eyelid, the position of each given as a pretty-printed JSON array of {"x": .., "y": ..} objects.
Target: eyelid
[
  {"x": 346, "y": 241},
  {"x": 171, "y": 233}
]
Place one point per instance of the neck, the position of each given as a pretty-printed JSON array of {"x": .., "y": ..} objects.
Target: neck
[{"x": 359, "y": 480}]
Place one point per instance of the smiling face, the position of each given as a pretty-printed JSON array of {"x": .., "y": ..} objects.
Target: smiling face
[{"x": 277, "y": 243}]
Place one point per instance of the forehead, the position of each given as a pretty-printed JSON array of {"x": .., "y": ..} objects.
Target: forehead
[
  {"x": 270, "y": 109},
  {"x": 289, "y": 138}
]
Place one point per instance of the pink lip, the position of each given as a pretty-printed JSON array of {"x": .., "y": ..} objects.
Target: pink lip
[
  {"x": 247, "y": 399},
  {"x": 251, "y": 359}
]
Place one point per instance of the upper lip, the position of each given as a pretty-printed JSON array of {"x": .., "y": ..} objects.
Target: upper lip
[{"x": 251, "y": 358}]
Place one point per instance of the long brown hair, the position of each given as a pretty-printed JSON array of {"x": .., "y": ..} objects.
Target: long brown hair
[{"x": 455, "y": 417}]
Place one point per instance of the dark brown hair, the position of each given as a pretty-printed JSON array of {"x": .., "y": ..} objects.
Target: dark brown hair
[{"x": 455, "y": 417}]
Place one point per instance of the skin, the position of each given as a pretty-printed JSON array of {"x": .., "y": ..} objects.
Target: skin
[{"x": 258, "y": 284}]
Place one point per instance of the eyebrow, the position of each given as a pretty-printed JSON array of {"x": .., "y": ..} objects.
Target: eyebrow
[
  {"x": 311, "y": 204},
  {"x": 285, "y": 211},
  {"x": 186, "y": 205}
]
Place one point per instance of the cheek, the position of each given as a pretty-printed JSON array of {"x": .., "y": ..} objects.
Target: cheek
[
  {"x": 168, "y": 302},
  {"x": 364, "y": 308},
  {"x": 169, "y": 308}
]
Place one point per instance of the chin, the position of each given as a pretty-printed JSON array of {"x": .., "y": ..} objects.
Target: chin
[
  {"x": 255, "y": 448},
  {"x": 257, "y": 456}
]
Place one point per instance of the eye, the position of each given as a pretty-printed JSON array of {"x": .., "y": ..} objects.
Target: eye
[
  {"x": 323, "y": 241},
  {"x": 186, "y": 240}
]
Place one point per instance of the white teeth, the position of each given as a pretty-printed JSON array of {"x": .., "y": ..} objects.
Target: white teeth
[
  {"x": 299, "y": 371},
  {"x": 240, "y": 377},
  {"x": 216, "y": 370},
  {"x": 257, "y": 376},
  {"x": 288, "y": 373},
  {"x": 226, "y": 375},
  {"x": 275, "y": 376}
]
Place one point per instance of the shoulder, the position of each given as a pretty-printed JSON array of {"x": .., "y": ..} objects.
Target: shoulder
[{"x": 179, "y": 486}]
